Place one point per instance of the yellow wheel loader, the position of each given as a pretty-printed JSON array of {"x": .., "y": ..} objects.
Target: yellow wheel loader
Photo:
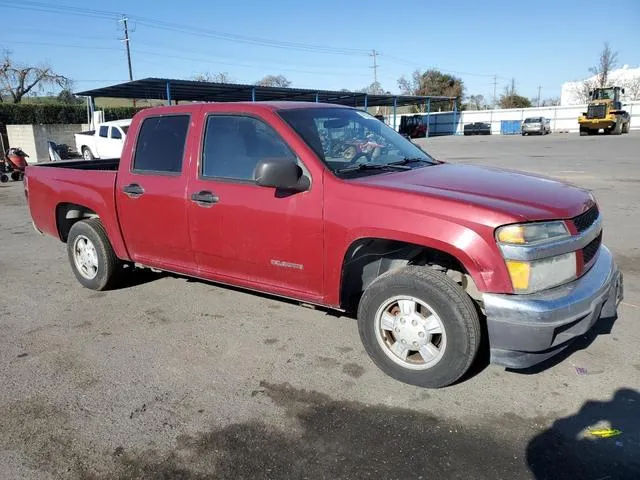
[{"x": 605, "y": 113}]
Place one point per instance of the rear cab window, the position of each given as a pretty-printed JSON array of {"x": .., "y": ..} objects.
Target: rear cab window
[
  {"x": 104, "y": 131},
  {"x": 115, "y": 133},
  {"x": 161, "y": 144}
]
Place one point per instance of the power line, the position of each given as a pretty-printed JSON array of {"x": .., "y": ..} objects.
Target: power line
[
  {"x": 187, "y": 58},
  {"x": 185, "y": 29}
]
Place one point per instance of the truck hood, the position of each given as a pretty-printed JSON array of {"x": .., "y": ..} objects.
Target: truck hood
[{"x": 522, "y": 196}]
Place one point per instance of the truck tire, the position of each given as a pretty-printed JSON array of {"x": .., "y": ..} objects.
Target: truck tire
[
  {"x": 625, "y": 128},
  {"x": 617, "y": 129},
  {"x": 419, "y": 327},
  {"x": 91, "y": 255},
  {"x": 86, "y": 154}
]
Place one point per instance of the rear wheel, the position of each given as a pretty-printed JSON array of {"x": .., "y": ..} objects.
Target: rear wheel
[
  {"x": 625, "y": 129},
  {"x": 16, "y": 176},
  {"x": 419, "y": 327},
  {"x": 92, "y": 258},
  {"x": 4, "y": 178},
  {"x": 86, "y": 154}
]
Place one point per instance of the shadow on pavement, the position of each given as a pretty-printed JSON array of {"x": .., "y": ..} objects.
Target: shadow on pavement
[{"x": 568, "y": 450}]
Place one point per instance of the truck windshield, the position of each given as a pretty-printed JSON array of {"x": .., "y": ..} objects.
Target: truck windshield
[{"x": 346, "y": 138}]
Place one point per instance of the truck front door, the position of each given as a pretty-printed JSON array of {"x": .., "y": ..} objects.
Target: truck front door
[
  {"x": 252, "y": 235},
  {"x": 151, "y": 196}
]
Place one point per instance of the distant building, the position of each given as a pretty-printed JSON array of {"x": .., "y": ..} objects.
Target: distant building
[{"x": 574, "y": 93}]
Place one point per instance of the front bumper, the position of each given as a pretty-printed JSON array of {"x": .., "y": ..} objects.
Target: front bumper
[
  {"x": 527, "y": 329},
  {"x": 537, "y": 129}
]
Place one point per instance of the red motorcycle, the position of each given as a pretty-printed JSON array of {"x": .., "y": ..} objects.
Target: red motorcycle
[{"x": 13, "y": 166}]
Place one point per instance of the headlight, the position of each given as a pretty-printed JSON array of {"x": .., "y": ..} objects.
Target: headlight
[
  {"x": 531, "y": 233},
  {"x": 533, "y": 276},
  {"x": 529, "y": 277}
]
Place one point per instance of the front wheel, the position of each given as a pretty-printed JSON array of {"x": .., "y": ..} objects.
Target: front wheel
[
  {"x": 91, "y": 255},
  {"x": 419, "y": 327}
]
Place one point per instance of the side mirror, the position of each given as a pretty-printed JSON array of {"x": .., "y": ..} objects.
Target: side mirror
[{"x": 280, "y": 173}]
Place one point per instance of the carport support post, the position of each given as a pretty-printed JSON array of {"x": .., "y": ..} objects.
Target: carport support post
[
  {"x": 455, "y": 114},
  {"x": 366, "y": 101},
  {"x": 168, "y": 93},
  {"x": 395, "y": 108},
  {"x": 92, "y": 109},
  {"x": 253, "y": 94},
  {"x": 428, "y": 115},
  {"x": 317, "y": 98}
]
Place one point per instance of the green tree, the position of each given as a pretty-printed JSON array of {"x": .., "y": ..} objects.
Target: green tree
[
  {"x": 67, "y": 97},
  {"x": 511, "y": 99},
  {"x": 433, "y": 83}
]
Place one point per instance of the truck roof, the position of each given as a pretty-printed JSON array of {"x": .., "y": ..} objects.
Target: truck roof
[{"x": 250, "y": 106}]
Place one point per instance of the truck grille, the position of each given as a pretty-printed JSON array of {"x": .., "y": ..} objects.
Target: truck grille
[
  {"x": 590, "y": 250},
  {"x": 586, "y": 219},
  {"x": 596, "y": 111}
]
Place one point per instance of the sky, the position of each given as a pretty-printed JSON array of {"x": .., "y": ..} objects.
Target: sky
[{"x": 326, "y": 44}]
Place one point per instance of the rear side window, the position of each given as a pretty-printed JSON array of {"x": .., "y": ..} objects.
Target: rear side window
[
  {"x": 115, "y": 133},
  {"x": 160, "y": 145},
  {"x": 103, "y": 131}
]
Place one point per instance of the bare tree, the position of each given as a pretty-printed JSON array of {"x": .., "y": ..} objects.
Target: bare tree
[
  {"x": 274, "y": 81},
  {"x": 550, "y": 102},
  {"x": 220, "y": 77},
  {"x": 632, "y": 88},
  {"x": 581, "y": 90},
  {"x": 17, "y": 80},
  {"x": 608, "y": 61}
]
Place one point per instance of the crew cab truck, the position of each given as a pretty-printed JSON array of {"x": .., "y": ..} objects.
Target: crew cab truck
[
  {"x": 105, "y": 142},
  {"x": 429, "y": 255}
]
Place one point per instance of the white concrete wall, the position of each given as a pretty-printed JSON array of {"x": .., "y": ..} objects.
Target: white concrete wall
[
  {"x": 563, "y": 119},
  {"x": 33, "y": 138}
]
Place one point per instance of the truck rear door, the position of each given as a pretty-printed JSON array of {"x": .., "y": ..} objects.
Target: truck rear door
[{"x": 151, "y": 193}]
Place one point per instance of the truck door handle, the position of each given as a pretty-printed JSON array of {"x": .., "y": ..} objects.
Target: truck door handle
[
  {"x": 204, "y": 198},
  {"x": 133, "y": 190}
]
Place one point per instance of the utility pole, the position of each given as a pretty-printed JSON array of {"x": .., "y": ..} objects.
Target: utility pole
[
  {"x": 374, "y": 54},
  {"x": 126, "y": 43},
  {"x": 539, "y": 88},
  {"x": 495, "y": 84}
]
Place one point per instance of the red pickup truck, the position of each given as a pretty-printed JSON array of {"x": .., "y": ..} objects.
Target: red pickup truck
[{"x": 329, "y": 206}]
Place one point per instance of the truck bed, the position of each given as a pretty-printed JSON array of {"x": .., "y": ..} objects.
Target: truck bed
[{"x": 109, "y": 164}]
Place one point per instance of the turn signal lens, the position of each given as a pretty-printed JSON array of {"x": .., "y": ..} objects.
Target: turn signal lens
[
  {"x": 520, "y": 272},
  {"x": 532, "y": 233},
  {"x": 511, "y": 234}
]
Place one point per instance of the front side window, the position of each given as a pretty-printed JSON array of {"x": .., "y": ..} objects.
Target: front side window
[
  {"x": 346, "y": 138},
  {"x": 104, "y": 131},
  {"x": 233, "y": 146},
  {"x": 160, "y": 144}
]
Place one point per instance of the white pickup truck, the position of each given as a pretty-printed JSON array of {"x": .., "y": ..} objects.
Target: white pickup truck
[{"x": 105, "y": 142}]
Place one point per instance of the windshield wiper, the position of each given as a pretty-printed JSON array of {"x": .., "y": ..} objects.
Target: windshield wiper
[
  {"x": 372, "y": 166},
  {"x": 408, "y": 160}
]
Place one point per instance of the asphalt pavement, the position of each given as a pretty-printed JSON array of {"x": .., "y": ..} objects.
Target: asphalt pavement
[{"x": 176, "y": 378}]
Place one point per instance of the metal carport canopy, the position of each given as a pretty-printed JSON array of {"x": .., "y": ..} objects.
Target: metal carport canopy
[{"x": 192, "y": 90}]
